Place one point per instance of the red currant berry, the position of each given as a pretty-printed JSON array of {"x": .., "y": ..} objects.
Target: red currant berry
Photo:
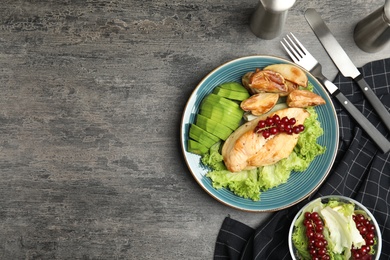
[
  {"x": 362, "y": 230},
  {"x": 273, "y": 130},
  {"x": 319, "y": 236},
  {"x": 319, "y": 229},
  {"x": 321, "y": 251},
  {"x": 370, "y": 242},
  {"x": 269, "y": 121},
  {"x": 261, "y": 124},
  {"x": 266, "y": 133},
  {"x": 360, "y": 218},
  {"x": 370, "y": 235},
  {"x": 356, "y": 255},
  {"x": 281, "y": 127},
  {"x": 367, "y": 249},
  {"x": 310, "y": 225},
  {"x": 363, "y": 250},
  {"x": 319, "y": 244},
  {"x": 315, "y": 216},
  {"x": 292, "y": 121},
  {"x": 313, "y": 252},
  {"x": 309, "y": 233},
  {"x": 296, "y": 130},
  {"x": 370, "y": 227},
  {"x": 284, "y": 120}
]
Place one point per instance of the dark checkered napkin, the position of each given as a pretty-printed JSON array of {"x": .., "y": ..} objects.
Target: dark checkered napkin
[{"x": 361, "y": 171}]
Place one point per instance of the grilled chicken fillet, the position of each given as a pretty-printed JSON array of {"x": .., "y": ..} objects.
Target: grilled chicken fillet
[{"x": 245, "y": 149}]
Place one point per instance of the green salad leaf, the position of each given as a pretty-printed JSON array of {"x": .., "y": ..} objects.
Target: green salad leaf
[
  {"x": 300, "y": 242},
  {"x": 244, "y": 184},
  {"x": 213, "y": 158}
]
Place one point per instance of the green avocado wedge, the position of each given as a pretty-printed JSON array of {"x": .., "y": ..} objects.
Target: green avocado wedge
[
  {"x": 202, "y": 136},
  {"x": 235, "y": 113},
  {"x": 214, "y": 98},
  {"x": 231, "y": 94},
  {"x": 221, "y": 116},
  {"x": 213, "y": 127},
  {"x": 235, "y": 86},
  {"x": 196, "y": 147},
  {"x": 218, "y": 116}
]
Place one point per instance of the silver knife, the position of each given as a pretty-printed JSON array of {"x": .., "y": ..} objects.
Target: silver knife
[{"x": 344, "y": 63}]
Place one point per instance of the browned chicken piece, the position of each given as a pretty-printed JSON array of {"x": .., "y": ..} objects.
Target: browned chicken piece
[
  {"x": 264, "y": 81},
  {"x": 260, "y": 103},
  {"x": 291, "y": 86},
  {"x": 304, "y": 98},
  {"x": 290, "y": 73},
  {"x": 245, "y": 149}
]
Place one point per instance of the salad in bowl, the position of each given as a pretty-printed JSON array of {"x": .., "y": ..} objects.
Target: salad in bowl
[{"x": 334, "y": 227}]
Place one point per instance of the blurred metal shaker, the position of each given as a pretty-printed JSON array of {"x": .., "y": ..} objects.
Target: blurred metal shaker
[
  {"x": 373, "y": 32},
  {"x": 268, "y": 20}
]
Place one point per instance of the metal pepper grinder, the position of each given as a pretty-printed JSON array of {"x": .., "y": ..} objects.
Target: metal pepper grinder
[
  {"x": 268, "y": 20},
  {"x": 372, "y": 33}
]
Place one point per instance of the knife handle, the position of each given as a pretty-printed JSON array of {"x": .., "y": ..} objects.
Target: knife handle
[
  {"x": 374, "y": 100},
  {"x": 369, "y": 128}
]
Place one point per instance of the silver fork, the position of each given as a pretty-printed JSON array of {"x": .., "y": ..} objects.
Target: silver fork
[{"x": 300, "y": 55}]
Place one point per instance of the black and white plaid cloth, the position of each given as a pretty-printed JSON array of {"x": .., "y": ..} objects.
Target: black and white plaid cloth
[{"x": 361, "y": 171}]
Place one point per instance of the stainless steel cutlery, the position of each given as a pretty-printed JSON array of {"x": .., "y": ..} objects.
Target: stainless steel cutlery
[
  {"x": 344, "y": 63},
  {"x": 300, "y": 55}
]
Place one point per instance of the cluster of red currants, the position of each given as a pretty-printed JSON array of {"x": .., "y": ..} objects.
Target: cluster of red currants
[
  {"x": 314, "y": 232},
  {"x": 274, "y": 125},
  {"x": 367, "y": 230}
]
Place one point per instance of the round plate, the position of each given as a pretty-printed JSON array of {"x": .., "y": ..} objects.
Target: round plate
[{"x": 299, "y": 185}]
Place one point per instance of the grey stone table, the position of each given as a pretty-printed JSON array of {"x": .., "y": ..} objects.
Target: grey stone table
[{"x": 92, "y": 94}]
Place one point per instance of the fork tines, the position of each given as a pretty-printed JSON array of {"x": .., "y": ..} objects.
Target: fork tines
[{"x": 294, "y": 48}]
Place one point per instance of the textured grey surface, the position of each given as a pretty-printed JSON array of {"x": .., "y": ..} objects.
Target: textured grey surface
[{"x": 92, "y": 94}]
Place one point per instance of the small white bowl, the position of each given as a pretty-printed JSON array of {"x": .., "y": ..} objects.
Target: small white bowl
[{"x": 358, "y": 206}]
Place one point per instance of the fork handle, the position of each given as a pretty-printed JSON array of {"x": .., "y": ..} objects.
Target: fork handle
[
  {"x": 369, "y": 128},
  {"x": 374, "y": 100}
]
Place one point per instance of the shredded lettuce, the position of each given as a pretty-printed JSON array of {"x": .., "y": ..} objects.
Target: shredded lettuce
[
  {"x": 244, "y": 184},
  {"x": 213, "y": 158},
  {"x": 300, "y": 242},
  {"x": 307, "y": 147},
  {"x": 250, "y": 184}
]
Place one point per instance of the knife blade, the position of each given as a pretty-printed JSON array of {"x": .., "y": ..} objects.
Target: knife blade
[{"x": 344, "y": 63}]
